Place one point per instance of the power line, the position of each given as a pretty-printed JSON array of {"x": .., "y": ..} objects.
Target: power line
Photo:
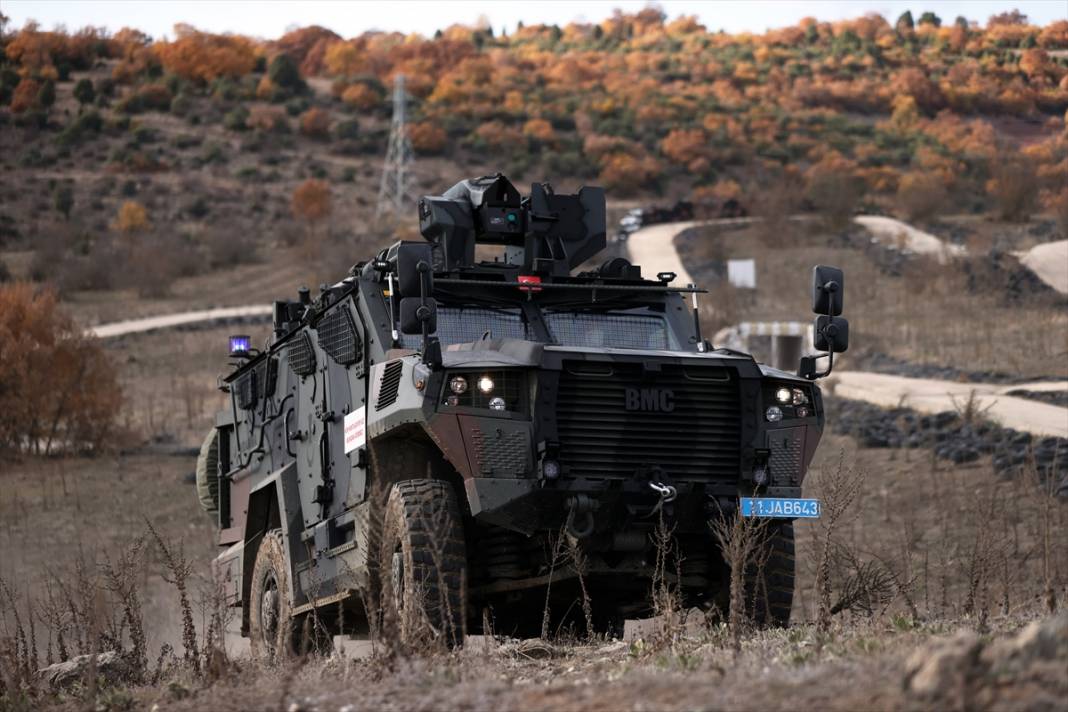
[{"x": 394, "y": 189}]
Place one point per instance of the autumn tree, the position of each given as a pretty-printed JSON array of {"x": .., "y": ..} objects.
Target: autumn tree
[
  {"x": 1013, "y": 187},
  {"x": 311, "y": 200},
  {"x": 131, "y": 218},
  {"x": 921, "y": 196},
  {"x": 427, "y": 138},
  {"x": 204, "y": 57},
  {"x": 315, "y": 122},
  {"x": 58, "y": 390}
]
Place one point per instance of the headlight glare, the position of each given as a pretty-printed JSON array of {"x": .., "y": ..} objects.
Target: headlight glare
[
  {"x": 485, "y": 384},
  {"x": 783, "y": 395}
]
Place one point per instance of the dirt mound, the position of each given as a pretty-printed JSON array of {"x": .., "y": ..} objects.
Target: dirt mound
[{"x": 1025, "y": 671}]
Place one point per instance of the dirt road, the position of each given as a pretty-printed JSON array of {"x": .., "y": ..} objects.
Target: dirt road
[
  {"x": 1050, "y": 262},
  {"x": 931, "y": 396},
  {"x": 167, "y": 321},
  {"x": 894, "y": 233}
]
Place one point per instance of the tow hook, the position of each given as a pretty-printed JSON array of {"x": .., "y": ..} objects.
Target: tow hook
[
  {"x": 585, "y": 506},
  {"x": 667, "y": 494}
]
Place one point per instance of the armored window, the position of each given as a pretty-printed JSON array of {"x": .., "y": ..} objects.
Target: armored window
[
  {"x": 608, "y": 330},
  {"x": 460, "y": 325},
  {"x": 245, "y": 389},
  {"x": 338, "y": 337},
  {"x": 267, "y": 377},
  {"x": 301, "y": 355}
]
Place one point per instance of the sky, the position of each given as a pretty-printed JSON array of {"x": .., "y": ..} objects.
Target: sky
[{"x": 271, "y": 18}]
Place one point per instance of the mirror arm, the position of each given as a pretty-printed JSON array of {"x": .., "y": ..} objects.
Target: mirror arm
[
  {"x": 431, "y": 346},
  {"x": 392, "y": 311}
]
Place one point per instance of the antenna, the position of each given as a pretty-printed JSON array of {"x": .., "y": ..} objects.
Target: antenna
[{"x": 393, "y": 190}]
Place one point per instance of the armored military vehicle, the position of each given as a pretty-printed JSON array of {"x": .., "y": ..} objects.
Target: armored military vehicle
[{"x": 415, "y": 444}]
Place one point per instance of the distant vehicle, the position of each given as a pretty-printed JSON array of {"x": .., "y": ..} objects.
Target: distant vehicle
[{"x": 411, "y": 444}]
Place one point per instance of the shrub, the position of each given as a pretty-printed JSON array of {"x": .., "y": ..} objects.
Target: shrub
[
  {"x": 315, "y": 123},
  {"x": 46, "y": 95},
  {"x": 267, "y": 119},
  {"x": 427, "y": 138},
  {"x": 132, "y": 217},
  {"x": 361, "y": 96},
  {"x": 347, "y": 130},
  {"x": 63, "y": 199},
  {"x": 311, "y": 200},
  {"x": 181, "y": 104},
  {"x": 25, "y": 95},
  {"x": 84, "y": 92},
  {"x": 57, "y": 386},
  {"x": 236, "y": 119},
  {"x": 1013, "y": 187},
  {"x": 283, "y": 73},
  {"x": 920, "y": 196}
]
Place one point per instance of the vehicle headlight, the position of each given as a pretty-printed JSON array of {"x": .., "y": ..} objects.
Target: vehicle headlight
[
  {"x": 773, "y": 414},
  {"x": 500, "y": 390},
  {"x": 783, "y": 395},
  {"x": 799, "y": 397}
]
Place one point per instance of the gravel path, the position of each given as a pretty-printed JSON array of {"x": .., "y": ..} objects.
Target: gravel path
[
  {"x": 931, "y": 396},
  {"x": 894, "y": 233},
  {"x": 168, "y": 321},
  {"x": 1050, "y": 262}
]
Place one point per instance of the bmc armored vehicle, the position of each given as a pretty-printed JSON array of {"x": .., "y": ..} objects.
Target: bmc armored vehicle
[{"x": 469, "y": 430}]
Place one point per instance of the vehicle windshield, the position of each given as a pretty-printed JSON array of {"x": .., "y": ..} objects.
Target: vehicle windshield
[{"x": 617, "y": 328}]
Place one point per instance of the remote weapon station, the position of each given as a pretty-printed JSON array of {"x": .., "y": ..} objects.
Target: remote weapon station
[{"x": 441, "y": 440}]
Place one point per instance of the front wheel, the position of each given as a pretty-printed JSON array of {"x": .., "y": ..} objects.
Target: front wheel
[
  {"x": 770, "y": 585},
  {"x": 423, "y": 563}
]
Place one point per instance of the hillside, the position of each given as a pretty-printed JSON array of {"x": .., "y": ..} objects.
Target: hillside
[{"x": 206, "y": 137}]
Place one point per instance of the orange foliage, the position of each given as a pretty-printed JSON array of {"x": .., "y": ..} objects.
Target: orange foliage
[
  {"x": 684, "y": 145},
  {"x": 25, "y": 95},
  {"x": 626, "y": 174},
  {"x": 427, "y": 138},
  {"x": 132, "y": 217},
  {"x": 311, "y": 200},
  {"x": 361, "y": 96},
  {"x": 315, "y": 122},
  {"x": 57, "y": 386},
  {"x": 267, "y": 118},
  {"x": 540, "y": 130},
  {"x": 204, "y": 57}
]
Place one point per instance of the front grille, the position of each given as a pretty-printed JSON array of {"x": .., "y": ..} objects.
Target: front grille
[{"x": 617, "y": 420}]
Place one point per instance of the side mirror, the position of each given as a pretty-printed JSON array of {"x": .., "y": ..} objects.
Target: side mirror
[
  {"x": 414, "y": 313},
  {"x": 832, "y": 334},
  {"x": 415, "y": 261},
  {"x": 828, "y": 290}
]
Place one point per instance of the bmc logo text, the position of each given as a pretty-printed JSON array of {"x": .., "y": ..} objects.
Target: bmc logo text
[{"x": 657, "y": 400}]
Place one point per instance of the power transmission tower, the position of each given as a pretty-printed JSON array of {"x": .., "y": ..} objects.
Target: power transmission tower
[{"x": 393, "y": 191}]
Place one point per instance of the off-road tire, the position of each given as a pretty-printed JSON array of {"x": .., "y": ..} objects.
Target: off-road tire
[
  {"x": 770, "y": 585},
  {"x": 422, "y": 564},
  {"x": 274, "y": 633}
]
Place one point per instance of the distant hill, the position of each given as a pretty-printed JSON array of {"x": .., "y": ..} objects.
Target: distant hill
[{"x": 918, "y": 117}]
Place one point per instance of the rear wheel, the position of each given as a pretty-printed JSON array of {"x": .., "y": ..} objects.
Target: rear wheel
[
  {"x": 423, "y": 563},
  {"x": 275, "y": 632}
]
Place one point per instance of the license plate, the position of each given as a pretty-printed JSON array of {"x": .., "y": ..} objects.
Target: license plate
[{"x": 780, "y": 508}]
